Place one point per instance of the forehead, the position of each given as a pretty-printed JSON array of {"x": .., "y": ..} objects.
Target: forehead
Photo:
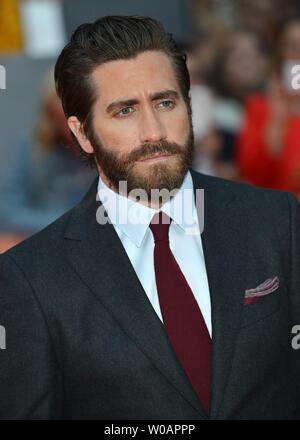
[{"x": 146, "y": 74}]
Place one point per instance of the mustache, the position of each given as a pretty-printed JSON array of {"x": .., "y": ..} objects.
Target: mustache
[{"x": 145, "y": 150}]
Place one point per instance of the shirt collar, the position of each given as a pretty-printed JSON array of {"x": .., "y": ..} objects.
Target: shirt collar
[{"x": 133, "y": 218}]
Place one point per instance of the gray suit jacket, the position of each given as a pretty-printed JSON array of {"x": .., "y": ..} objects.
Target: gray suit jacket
[{"x": 83, "y": 341}]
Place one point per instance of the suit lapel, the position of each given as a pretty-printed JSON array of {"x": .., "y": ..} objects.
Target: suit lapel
[
  {"x": 97, "y": 254},
  {"x": 225, "y": 251}
]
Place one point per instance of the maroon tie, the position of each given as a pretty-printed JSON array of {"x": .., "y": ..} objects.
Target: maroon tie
[{"x": 182, "y": 317}]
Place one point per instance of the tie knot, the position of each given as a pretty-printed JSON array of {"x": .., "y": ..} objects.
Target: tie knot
[{"x": 159, "y": 226}]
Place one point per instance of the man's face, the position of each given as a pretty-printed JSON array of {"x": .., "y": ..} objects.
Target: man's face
[{"x": 142, "y": 132}]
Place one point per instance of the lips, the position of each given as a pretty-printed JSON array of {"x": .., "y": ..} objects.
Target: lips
[{"x": 155, "y": 157}]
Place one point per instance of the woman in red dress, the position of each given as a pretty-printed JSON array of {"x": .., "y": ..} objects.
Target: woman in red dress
[{"x": 268, "y": 147}]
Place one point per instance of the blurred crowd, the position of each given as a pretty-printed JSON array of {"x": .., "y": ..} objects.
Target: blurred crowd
[
  {"x": 242, "y": 57},
  {"x": 245, "y": 95}
]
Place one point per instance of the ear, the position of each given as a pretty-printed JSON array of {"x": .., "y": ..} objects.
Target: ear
[{"x": 76, "y": 127}]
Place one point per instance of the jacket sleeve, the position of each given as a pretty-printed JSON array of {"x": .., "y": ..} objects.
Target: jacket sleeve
[
  {"x": 294, "y": 290},
  {"x": 30, "y": 379}
]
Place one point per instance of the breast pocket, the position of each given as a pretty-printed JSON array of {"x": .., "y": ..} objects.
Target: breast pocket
[{"x": 261, "y": 309}]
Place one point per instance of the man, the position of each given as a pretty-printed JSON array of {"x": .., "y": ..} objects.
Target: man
[{"x": 148, "y": 319}]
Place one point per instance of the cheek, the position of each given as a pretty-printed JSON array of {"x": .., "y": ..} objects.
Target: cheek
[
  {"x": 115, "y": 138},
  {"x": 179, "y": 128}
]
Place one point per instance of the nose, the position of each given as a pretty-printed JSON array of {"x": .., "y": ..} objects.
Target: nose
[{"x": 151, "y": 128}]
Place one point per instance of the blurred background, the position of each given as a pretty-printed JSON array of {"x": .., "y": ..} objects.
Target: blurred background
[{"x": 242, "y": 57}]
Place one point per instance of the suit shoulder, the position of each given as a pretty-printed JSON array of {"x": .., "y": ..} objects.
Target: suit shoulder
[
  {"x": 49, "y": 238},
  {"x": 46, "y": 240},
  {"x": 246, "y": 192},
  {"x": 257, "y": 205}
]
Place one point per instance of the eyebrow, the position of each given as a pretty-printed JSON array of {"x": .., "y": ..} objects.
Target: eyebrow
[{"x": 163, "y": 94}]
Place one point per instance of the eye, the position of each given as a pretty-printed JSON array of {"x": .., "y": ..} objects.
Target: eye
[
  {"x": 166, "y": 104},
  {"x": 125, "y": 111}
]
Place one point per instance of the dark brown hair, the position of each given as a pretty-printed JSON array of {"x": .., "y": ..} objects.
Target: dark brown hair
[{"x": 107, "y": 39}]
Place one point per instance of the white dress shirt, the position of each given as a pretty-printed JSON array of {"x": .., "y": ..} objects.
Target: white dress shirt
[{"x": 131, "y": 221}]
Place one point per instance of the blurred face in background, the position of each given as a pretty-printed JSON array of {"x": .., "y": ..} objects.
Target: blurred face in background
[
  {"x": 243, "y": 65},
  {"x": 290, "y": 42}
]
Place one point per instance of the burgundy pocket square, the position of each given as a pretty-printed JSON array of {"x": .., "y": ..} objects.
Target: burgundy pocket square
[{"x": 260, "y": 291}]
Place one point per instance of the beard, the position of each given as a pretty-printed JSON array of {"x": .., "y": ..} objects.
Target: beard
[{"x": 167, "y": 174}]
